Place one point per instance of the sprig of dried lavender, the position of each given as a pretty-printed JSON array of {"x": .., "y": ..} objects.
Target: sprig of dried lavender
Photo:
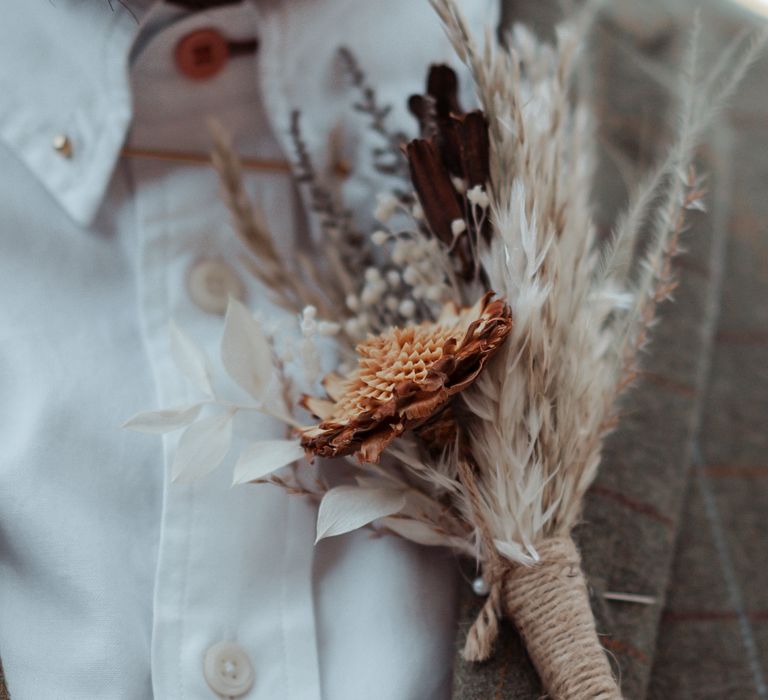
[
  {"x": 347, "y": 251},
  {"x": 387, "y": 160}
]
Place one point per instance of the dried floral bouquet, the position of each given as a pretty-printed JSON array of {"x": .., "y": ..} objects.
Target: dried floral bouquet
[{"x": 480, "y": 356}]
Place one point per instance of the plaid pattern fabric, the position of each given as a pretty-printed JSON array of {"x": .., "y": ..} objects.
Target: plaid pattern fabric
[
  {"x": 677, "y": 512},
  {"x": 713, "y": 633}
]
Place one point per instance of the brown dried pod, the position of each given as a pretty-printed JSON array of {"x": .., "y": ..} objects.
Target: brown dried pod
[
  {"x": 432, "y": 182},
  {"x": 454, "y": 148},
  {"x": 461, "y": 138}
]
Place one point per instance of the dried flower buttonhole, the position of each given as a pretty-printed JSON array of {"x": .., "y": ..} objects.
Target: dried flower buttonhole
[{"x": 404, "y": 376}]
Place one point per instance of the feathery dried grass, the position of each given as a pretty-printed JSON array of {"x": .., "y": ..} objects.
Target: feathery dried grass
[{"x": 582, "y": 310}]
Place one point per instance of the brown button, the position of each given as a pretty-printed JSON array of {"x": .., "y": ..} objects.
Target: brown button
[{"x": 201, "y": 54}]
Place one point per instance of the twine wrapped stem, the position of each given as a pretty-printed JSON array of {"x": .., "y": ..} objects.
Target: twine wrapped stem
[{"x": 549, "y": 605}]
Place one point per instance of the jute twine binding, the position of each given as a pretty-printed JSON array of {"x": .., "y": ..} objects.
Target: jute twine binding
[{"x": 549, "y": 605}]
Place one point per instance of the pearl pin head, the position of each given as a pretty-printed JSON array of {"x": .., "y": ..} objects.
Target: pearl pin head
[{"x": 480, "y": 586}]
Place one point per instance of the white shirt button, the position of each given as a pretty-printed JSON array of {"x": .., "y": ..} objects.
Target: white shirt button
[
  {"x": 210, "y": 284},
  {"x": 228, "y": 669}
]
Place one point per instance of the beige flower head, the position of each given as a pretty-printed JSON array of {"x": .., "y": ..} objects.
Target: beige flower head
[{"x": 404, "y": 376}]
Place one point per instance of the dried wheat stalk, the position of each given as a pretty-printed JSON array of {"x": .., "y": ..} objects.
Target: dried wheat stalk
[{"x": 265, "y": 263}]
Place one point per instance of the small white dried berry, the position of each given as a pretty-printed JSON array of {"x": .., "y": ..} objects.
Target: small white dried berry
[
  {"x": 379, "y": 237},
  {"x": 393, "y": 278},
  {"x": 407, "y": 308},
  {"x": 353, "y": 303},
  {"x": 459, "y": 184},
  {"x": 387, "y": 203},
  {"x": 458, "y": 226},
  {"x": 328, "y": 328}
]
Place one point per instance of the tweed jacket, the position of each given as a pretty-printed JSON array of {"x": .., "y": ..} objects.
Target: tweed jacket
[{"x": 677, "y": 512}]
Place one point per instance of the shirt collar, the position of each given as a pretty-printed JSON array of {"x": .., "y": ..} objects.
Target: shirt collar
[
  {"x": 77, "y": 85},
  {"x": 65, "y": 75}
]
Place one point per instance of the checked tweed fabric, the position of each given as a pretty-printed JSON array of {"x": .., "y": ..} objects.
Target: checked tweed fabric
[{"x": 679, "y": 509}]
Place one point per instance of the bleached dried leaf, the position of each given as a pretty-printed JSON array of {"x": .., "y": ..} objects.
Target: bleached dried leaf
[
  {"x": 245, "y": 351},
  {"x": 202, "y": 447},
  {"x": 347, "y": 508},
  {"x": 264, "y": 457},
  {"x": 191, "y": 360},
  {"x": 163, "y": 421}
]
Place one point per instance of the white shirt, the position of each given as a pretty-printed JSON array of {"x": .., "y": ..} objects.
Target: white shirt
[{"x": 115, "y": 582}]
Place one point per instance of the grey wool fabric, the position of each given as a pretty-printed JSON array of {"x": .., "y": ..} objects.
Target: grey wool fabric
[{"x": 678, "y": 510}]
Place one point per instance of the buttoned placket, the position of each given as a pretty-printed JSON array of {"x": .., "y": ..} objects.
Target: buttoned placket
[{"x": 234, "y": 565}]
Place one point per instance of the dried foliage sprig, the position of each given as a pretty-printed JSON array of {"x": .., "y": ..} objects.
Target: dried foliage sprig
[
  {"x": 496, "y": 334},
  {"x": 249, "y": 223},
  {"x": 387, "y": 157},
  {"x": 345, "y": 252}
]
